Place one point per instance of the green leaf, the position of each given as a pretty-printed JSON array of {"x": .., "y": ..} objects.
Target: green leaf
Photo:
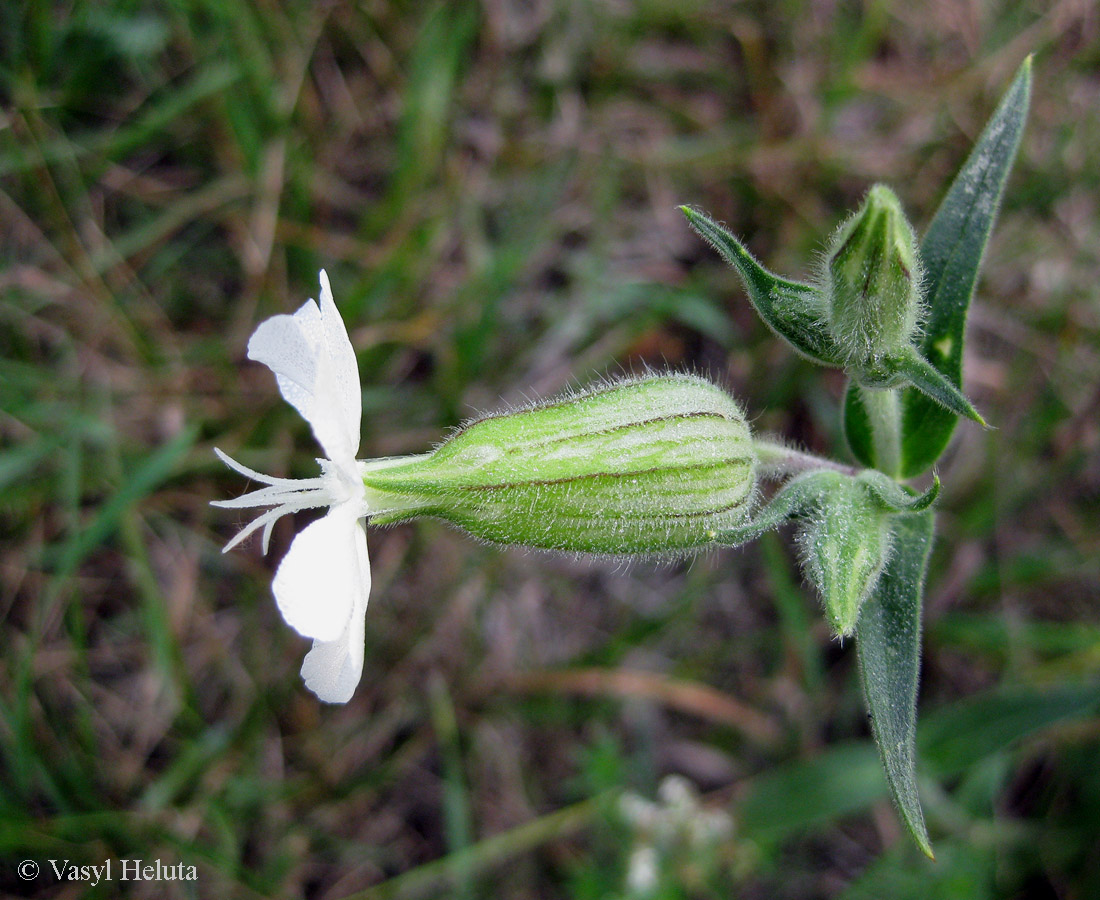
[
  {"x": 874, "y": 407},
  {"x": 952, "y": 253},
  {"x": 808, "y": 794},
  {"x": 895, "y": 498},
  {"x": 888, "y": 643},
  {"x": 856, "y": 423},
  {"x": 933, "y": 384},
  {"x": 846, "y": 536},
  {"x": 790, "y": 799},
  {"x": 793, "y": 310},
  {"x": 958, "y": 737}
]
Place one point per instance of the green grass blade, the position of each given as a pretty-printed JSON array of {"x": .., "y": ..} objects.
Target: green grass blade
[
  {"x": 952, "y": 252},
  {"x": 141, "y": 130},
  {"x": 788, "y": 800},
  {"x": 959, "y": 737},
  {"x": 458, "y": 824},
  {"x": 888, "y": 642},
  {"x": 433, "y": 878},
  {"x": 157, "y": 467},
  {"x": 808, "y": 794}
]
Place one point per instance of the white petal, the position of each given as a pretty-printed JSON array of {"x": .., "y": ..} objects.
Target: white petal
[
  {"x": 314, "y": 365},
  {"x": 345, "y": 367},
  {"x": 332, "y": 669},
  {"x": 324, "y": 576}
]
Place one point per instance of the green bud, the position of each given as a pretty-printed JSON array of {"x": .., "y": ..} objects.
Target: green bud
[
  {"x": 646, "y": 465},
  {"x": 872, "y": 280},
  {"x": 845, "y": 544}
]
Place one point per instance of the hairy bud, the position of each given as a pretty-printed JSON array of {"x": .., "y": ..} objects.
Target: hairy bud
[
  {"x": 872, "y": 280},
  {"x": 647, "y": 465},
  {"x": 845, "y": 544}
]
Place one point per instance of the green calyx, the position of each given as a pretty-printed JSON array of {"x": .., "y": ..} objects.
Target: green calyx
[
  {"x": 872, "y": 280},
  {"x": 647, "y": 465}
]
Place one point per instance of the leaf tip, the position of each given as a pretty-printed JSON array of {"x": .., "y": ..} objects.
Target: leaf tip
[
  {"x": 691, "y": 214},
  {"x": 925, "y": 500}
]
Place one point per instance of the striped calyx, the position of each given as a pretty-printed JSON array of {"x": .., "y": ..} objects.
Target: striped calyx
[{"x": 646, "y": 465}]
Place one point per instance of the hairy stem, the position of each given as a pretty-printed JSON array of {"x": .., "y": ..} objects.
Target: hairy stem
[
  {"x": 884, "y": 411},
  {"x": 777, "y": 460}
]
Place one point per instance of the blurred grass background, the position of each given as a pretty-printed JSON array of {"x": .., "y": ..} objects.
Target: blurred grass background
[{"x": 492, "y": 187}]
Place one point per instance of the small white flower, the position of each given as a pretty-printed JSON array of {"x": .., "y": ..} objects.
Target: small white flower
[
  {"x": 322, "y": 584},
  {"x": 642, "y": 873}
]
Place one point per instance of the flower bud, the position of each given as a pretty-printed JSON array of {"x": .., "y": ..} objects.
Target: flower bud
[
  {"x": 872, "y": 280},
  {"x": 645, "y": 465},
  {"x": 845, "y": 545}
]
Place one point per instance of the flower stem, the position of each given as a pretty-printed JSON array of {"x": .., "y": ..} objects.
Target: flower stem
[
  {"x": 884, "y": 411},
  {"x": 777, "y": 460}
]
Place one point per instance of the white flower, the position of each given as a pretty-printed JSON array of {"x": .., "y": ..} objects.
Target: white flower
[
  {"x": 322, "y": 584},
  {"x": 642, "y": 874}
]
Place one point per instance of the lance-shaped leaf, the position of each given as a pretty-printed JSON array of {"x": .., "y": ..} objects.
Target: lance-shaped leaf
[
  {"x": 910, "y": 368},
  {"x": 952, "y": 252},
  {"x": 888, "y": 643},
  {"x": 793, "y": 310}
]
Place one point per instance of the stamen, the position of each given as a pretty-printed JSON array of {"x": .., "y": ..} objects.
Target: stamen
[
  {"x": 252, "y": 473},
  {"x": 267, "y": 521},
  {"x": 274, "y": 495}
]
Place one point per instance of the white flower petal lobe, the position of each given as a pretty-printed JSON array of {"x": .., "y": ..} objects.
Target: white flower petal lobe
[
  {"x": 314, "y": 365},
  {"x": 320, "y": 580},
  {"x": 332, "y": 669}
]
